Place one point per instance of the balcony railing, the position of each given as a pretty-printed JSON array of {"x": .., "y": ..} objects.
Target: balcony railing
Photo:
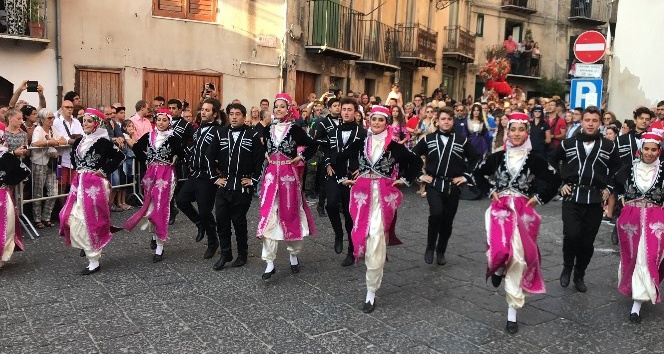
[
  {"x": 520, "y": 6},
  {"x": 380, "y": 46},
  {"x": 417, "y": 44},
  {"x": 589, "y": 12},
  {"x": 27, "y": 22},
  {"x": 333, "y": 29},
  {"x": 460, "y": 44}
]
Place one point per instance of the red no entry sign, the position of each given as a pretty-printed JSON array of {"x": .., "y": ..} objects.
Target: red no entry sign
[{"x": 589, "y": 47}]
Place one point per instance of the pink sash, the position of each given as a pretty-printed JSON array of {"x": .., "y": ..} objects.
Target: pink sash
[
  {"x": 360, "y": 210},
  {"x": 630, "y": 230},
  {"x": 158, "y": 191},
  {"x": 95, "y": 209},
  {"x": 6, "y": 202},
  {"x": 281, "y": 179},
  {"x": 503, "y": 220}
]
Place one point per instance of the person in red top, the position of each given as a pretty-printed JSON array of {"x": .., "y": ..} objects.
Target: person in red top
[
  {"x": 658, "y": 126},
  {"x": 557, "y": 124},
  {"x": 510, "y": 45}
]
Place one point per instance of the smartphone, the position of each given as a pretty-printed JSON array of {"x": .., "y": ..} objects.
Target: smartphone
[{"x": 32, "y": 86}]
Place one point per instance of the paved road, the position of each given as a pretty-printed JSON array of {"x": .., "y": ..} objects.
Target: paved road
[{"x": 182, "y": 306}]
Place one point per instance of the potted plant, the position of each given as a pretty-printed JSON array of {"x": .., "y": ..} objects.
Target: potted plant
[{"x": 35, "y": 13}]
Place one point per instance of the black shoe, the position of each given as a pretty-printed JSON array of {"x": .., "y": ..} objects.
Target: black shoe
[
  {"x": 239, "y": 262},
  {"x": 348, "y": 261},
  {"x": 82, "y": 253},
  {"x": 87, "y": 271},
  {"x": 157, "y": 258},
  {"x": 579, "y": 285},
  {"x": 369, "y": 307},
  {"x": 268, "y": 275},
  {"x": 174, "y": 214},
  {"x": 614, "y": 236},
  {"x": 428, "y": 256},
  {"x": 512, "y": 327},
  {"x": 634, "y": 318},
  {"x": 295, "y": 268},
  {"x": 222, "y": 262},
  {"x": 321, "y": 211},
  {"x": 200, "y": 234},
  {"x": 153, "y": 244},
  {"x": 209, "y": 253},
  {"x": 339, "y": 244},
  {"x": 564, "y": 277},
  {"x": 496, "y": 280},
  {"x": 440, "y": 258}
]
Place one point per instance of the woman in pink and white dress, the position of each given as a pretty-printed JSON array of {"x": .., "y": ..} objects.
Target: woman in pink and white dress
[
  {"x": 284, "y": 215},
  {"x": 85, "y": 219},
  {"x": 640, "y": 189},
  {"x": 521, "y": 181}
]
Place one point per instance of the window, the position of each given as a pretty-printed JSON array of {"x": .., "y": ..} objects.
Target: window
[
  {"x": 425, "y": 85},
  {"x": 479, "y": 31},
  {"x": 199, "y": 10}
]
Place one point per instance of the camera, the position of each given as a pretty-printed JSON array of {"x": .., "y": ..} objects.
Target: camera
[{"x": 32, "y": 86}]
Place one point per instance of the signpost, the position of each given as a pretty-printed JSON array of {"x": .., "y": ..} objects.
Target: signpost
[
  {"x": 586, "y": 92},
  {"x": 589, "y": 47}
]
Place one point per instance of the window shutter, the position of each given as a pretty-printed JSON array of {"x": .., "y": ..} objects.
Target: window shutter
[
  {"x": 169, "y": 8},
  {"x": 202, "y": 10}
]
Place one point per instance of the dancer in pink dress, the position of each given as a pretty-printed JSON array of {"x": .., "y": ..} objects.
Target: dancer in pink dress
[
  {"x": 640, "y": 188},
  {"x": 85, "y": 219},
  {"x": 159, "y": 150},
  {"x": 284, "y": 215},
  {"x": 522, "y": 180}
]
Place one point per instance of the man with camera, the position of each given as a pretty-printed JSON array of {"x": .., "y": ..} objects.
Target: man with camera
[{"x": 71, "y": 129}]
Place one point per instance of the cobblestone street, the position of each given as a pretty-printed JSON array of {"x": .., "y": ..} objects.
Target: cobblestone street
[{"x": 182, "y": 306}]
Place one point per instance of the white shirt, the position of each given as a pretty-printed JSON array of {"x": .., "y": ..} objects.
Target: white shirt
[
  {"x": 74, "y": 127},
  {"x": 588, "y": 146},
  {"x": 444, "y": 139},
  {"x": 39, "y": 156},
  {"x": 345, "y": 135}
]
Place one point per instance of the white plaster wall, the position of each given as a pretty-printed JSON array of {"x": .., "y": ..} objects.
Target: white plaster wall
[
  {"x": 30, "y": 61},
  {"x": 636, "y": 67}
]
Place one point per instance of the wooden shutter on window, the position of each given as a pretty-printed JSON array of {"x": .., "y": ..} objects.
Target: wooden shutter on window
[
  {"x": 169, "y": 8},
  {"x": 202, "y": 10}
]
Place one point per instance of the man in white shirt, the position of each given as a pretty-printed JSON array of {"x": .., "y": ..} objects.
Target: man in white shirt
[{"x": 71, "y": 130}]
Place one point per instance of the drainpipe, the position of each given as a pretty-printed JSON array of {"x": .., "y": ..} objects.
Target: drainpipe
[
  {"x": 282, "y": 78},
  {"x": 58, "y": 53}
]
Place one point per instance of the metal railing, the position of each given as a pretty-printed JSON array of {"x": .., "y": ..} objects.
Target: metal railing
[
  {"x": 417, "y": 41},
  {"x": 459, "y": 40},
  {"x": 333, "y": 25},
  {"x": 24, "y": 21},
  {"x": 380, "y": 43},
  {"x": 520, "y": 5},
  {"x": 594, "y": 11}
]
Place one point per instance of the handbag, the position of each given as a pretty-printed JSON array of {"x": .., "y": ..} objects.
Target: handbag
[{"x": 53, "y": 158}]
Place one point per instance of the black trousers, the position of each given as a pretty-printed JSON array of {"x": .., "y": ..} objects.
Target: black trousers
[
  {"x": 232, "y": 207},
  {"x": 203, "y": 192},
  {"x": 580, "y": 225},
  {"x": 180, "y": 173},
  {"x": 321, "y": 176},
  {"x": 338, "y": 194},
  {"x": 442, "y": 210}
]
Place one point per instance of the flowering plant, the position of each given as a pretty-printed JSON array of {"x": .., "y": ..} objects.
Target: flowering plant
[{"x": 495, "y": 69}]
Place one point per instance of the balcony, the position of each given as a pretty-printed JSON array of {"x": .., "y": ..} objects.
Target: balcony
[
  {"x": 24, "y": 24},
  {"x": 417, "y": 45},
  {"x": 520, "y": 7},
  {"x": 589, "y": 13},
  {"x": 460, "y": 45},
  {"x": 380, "y": 46},
  {"x": 333, "y": 30}
]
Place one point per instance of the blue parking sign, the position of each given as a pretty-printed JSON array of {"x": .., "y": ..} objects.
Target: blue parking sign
[{"x": 586, "y": 92}]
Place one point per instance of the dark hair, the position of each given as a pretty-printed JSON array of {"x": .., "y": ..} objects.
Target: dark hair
[
  {"x": 660, "y": 103},
  {"x": 160, "y": 99},
  {"x": 216, "y": 105},
  {"x": 641, "y": 110},
  {"x": 76, "y": 109},
  {"x": 592, "y": 110},
  {"x": 124, "y": 125},
  {"x": 239, "y": 106},
  {"x": 447, "y": 110},
  {"x": 175, "y": 101},
  {"x": 578, "y": 109},
  {"x": 613, "y": 128},
  {"x": 401, "y": 119},
  {"x": 27, "y": 110},
  {"x": 416, "y": 96},
  {"x": 630, "y": 124},
  {"x": 331, "y": 101},
  {"x": 348, "y": 100},
  {"x": 140, "y": 105},
  {"x": 265, "y": 100},
  {"x": 69, "y": 96}
]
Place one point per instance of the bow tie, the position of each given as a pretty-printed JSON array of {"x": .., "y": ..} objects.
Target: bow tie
[
  {"x": 238, "y": 129},
  {"x": 445, "y": 134},
  {"x": 588, "y": 138},
  {"x": 347, "y": 126}
]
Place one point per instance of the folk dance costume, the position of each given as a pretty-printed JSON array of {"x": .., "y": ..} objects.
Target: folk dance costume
[
  {"x": 512, "y": 225},
  {"x": 185, "y": 132},
  {"x": 589, "y": 163},
  {"x": 374, "y": 200},
  {"x": 321, "y": 132},
  {"x": 448, "y": 155},
  {"x": 12, "y": 172},
  {"x": 628, "y": 145},
  {"x": 338, "y": 154},
  {"x": 200, "y": 188},
  {"x": 284, "y": 216},
  {"x": 85, "y": 219},
  {"x": 641, "y": 188},
  {"x": 235, "y": 153},
  {"x": 158, "y": 150}
]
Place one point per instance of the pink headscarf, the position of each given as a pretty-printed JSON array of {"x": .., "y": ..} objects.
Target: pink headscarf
[{"x": 292, "y": 113}]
